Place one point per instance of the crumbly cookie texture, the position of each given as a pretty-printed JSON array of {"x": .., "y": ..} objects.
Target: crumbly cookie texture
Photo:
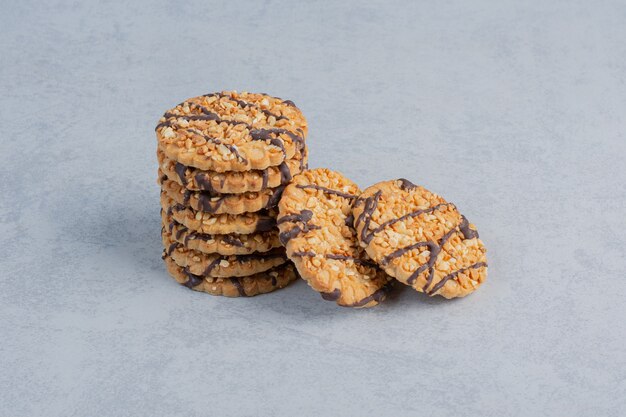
[
  {"x": 222, "y": 203},
  {"x": 256, "y": 284},
  {"x": 216, "y": 265},
  {"x": 218, "y": 224},
  {"x": 232, "y": 182},
  {"x": 232, "y": 131},
  {"x": 315, "y": 226},
  {"x": 420, "y": 239},
  {"x": 231, "y": 244}
]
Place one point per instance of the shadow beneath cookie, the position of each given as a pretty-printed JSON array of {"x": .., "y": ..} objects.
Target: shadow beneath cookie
[
  {"x": 127, "y": 230},
  {"x": 300, "y": 303}
]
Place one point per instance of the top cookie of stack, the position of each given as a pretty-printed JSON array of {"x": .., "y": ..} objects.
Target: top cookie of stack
[{"x": 224, "y": 159}]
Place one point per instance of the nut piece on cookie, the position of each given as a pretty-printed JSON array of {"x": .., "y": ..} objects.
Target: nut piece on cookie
[
  {"x": 215, "y": 203},
  {"x": 232, "y": 182},
  {"x": 229, "y": 244},
  {"x": 420, "y": 239},
  {"x": 315, "y": 223},
  {"x": 216, "y": 265},
  {"x": 256, "y": 284},
  {"x": 231, "y": 131},
  {"x": 218, "y": 224}
]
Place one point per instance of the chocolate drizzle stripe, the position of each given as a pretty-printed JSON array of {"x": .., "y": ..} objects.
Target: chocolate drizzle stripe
[
  {"x": 208, "y": 205},
  {"x": 180, "y": 232},
  {"x": 243, "y": 104},
  {"x": 265, "y": 224},
  {"x": 370, "y": 204},
  {"x": 264, "y": 256},
  {"x": 255, "y": 133},
  {"x": 232, "y": 241},
  {"x": 304, "y": 253},
  {"x": 192, "y": 280},
  {"x": 232, "y": 148},
  {"x": 353, "y": 259},
  {"x": 204, "y": 182},
  {"x": 265, "y": 175},
  {"x": 285, "y": 237},
  {"x": 401, "y": 251},
  {"x": 434, "y": 253},
  {"x": 335, "y": 257},
  {"x": 267, "y": 135},
  {"x": 274, "y": 198},
  {"x": 326, "y": 190},
  {"x": 303, "y": 217},
  {"x": 378, "y": 296},
  {"x": 186, "y": 197},
  {"x": 406, "y": 216},
  {"x": 435, "y": 248},
  {"x": 406, "y": 184},
  {"x": 451, "y": 275},
  {"x": 331, "y": 296},
  {"x": 228, "y": 239},
  {"x": 237, "y": 284},
  {"x": 211, "y": 266},
  {"x": 285, "y": 174},
  {"x": 180, "y": 170}
]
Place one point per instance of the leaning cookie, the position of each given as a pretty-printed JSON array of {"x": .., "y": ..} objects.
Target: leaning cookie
[
  {"x": 232, "y": 131},
  {"x": 261, "y": 283},
  {"x": 232, "y": 182},
  {"x": 315, "y": 226},
  {"x": 223, "y": 203},
  {"x": 218, "y": 224},
  {"x": 420, "y": 239}
]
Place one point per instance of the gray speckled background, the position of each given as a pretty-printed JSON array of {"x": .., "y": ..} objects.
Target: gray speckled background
[{"x": 516, "y": 112}]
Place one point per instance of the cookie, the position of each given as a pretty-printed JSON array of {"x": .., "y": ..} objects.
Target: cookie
[
  {"x": 256, "y": 284},
  {"x": 231, "y": 244},
  {"x": 232, "y": 131},
  {"x": 315, "y": 224},
  {"x": 216, "y": 265},
  {"x": 219, "y": 224},
  {"x": 221, "y": 203},
  {"x": 232, "y": 182},
  {"x": 420, "y": 239}
]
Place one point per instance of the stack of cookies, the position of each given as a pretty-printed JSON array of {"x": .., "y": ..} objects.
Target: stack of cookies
[{"x": 224, "y": 160}]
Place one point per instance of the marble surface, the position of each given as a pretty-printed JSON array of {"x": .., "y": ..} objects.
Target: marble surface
[{"x": 515, "y": 111}]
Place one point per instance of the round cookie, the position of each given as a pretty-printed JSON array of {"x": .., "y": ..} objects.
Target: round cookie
[
  {"x": 315, "y": 226},
  {"x": 218, "y": 224},
  {"x": 232, "y": 131},
  {"x": 232, "y": 182},
  {"x": 222, "y": 203},
  {"x": 231, "y": 244},
  {"x": 261, "y": 283},
  {"x": 420, "y": 239},
  {"x": 216, "y": 265}
]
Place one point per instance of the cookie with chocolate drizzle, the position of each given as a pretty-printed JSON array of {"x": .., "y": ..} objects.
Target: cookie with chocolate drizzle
[
  {"x": 420, "y": 239},
  {"x": 218, "y": 224},
  {"x": 261, "y": 283},
  {"x": 233, "y": 182},
  {"x": 216, "y": 265},
  {"x": 230, "y": 244},
  {"x": 315, "y": 226},
  {"x": 231, "y": 131},
  {"x": 215, "y": 203}
]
